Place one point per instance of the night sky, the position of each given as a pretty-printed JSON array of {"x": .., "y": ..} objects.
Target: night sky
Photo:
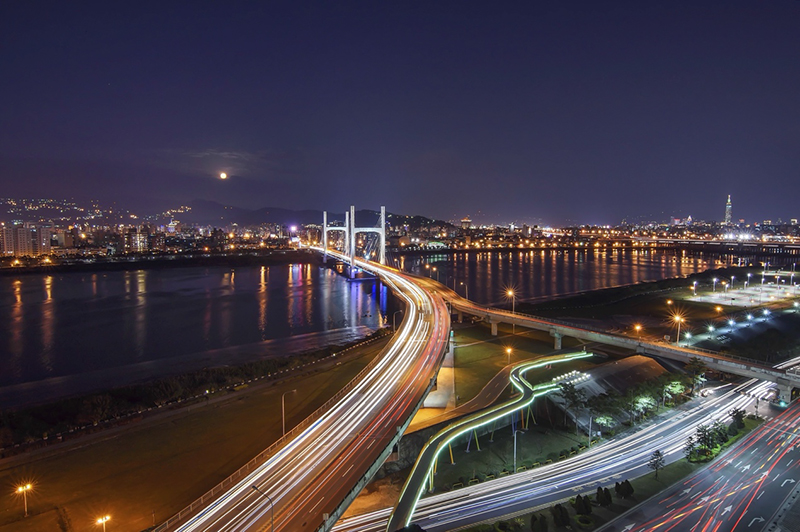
[{"x": 582, "y": 112}]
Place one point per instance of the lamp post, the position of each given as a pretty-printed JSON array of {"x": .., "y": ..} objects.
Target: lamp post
[
  {"x": 24, "y": 491},
  {"x": 271, "y": 507},
  {"x": 725, "y": 286},
  {"x": 678, "y": 320},
  {"x": 283, "y": 410},
  {"x": 466, "y": 290},
  {"x": 747, "y": 282},
  {"x": 733, "y": 277},
  {"x": 638, "y": 329},
  {"x": 694, "y": 288},
  {"x": 103, "y": 520},
  {"x": 513, "y": 296},
  {"x": 515, "y": 449},
  {"x": 394, "y": 325},
  {"x": 508, "y": 355},
  {"x": 714, "y": 287},
  {"x": 437, "y": 273}
]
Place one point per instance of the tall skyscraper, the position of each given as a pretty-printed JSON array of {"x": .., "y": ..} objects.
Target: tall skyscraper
[{"x": 728, "y": 211}]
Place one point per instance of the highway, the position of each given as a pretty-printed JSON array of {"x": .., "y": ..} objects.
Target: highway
[
  {"x": 303, "y": 484},
  {"x": 623, "y": 457},
  {"x": 742, "y": 491},
  {"x": 725, "y": 363},
  {"x": 417, "y": 481}
]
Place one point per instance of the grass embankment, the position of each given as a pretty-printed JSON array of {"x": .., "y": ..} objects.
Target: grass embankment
[
  {"x": 479, "y": 356},
  {"x": 31, "y": 265},
  {"x": 34, "y": 427},
  {"x": 153, "y": 469}
]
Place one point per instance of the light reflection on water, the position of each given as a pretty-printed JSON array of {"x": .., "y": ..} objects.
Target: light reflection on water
[
  {"x": 61, "y": 324},
  {"x": 542, "y": 274}
]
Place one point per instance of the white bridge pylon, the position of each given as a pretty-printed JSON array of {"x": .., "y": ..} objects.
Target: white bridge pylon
[{"x": 350, "y": 230}]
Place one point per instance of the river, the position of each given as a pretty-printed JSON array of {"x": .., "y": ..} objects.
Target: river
[{"x": 53, "y": 326}]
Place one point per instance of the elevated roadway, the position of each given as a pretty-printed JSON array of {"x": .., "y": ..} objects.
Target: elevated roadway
[
  {"x": 425, "y": 466},
  {"x": 625, "y": 456},
  {"x": 786, "y": 379},
  {"x": 307, "y": 480}
]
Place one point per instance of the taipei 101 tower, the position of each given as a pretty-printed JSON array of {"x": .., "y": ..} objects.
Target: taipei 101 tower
[{"x": 728, "y": 211}]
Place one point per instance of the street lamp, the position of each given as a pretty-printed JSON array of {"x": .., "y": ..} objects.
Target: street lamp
[
  {"x": 24, "y": 491},
  {"x": 283, "y": 410},
  {"x": 515, "y": 449},
  {"x": 271, "y": 507},
  {"x": 513, "y": 296},
  {"x": 638, "y": 329},
  {"x": 714, "y": 288},
  {"x": 694, "y": 288},
  {"x": 466, "y": 289},
  {"x": 678, "y": 320},
  {"x": 394, "y": 324},
  {"x": 102, "y": 521},
  {"x": 437, "y": 273},
  {"x": 725, "y": 286},
  {"x": 732, "y": 279},
  {"x": 747, "y": 282},
  {"x": 508, "y": 353}
]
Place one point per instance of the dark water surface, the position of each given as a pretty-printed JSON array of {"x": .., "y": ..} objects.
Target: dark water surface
[
  {"x": 73, "y": 323},
  {"x": 68, "y": 323}
]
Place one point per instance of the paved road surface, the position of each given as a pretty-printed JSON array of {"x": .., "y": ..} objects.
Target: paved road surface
[{"x": 742, "y": 492}]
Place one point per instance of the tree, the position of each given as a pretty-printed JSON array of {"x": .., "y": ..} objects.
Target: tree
[
  {"x": 572, "y": 398},
  {"x": 696, "y": 368},
  {"x": 705, "y": 437},
  {"x": 606, "y": 498},
  {"x": 538, "y": 524},
  {"x": 656, "y": 461},
  {"x": 720, "y": 432},
  {"x": 560, "y": 515},
  {"x": 631, "y": 404},
  {"x": 627, "y": 489},
  {"x": 689, "y": 447},
  {"x": 737, "y": 415},
  {"x": 583, "y": 506}
]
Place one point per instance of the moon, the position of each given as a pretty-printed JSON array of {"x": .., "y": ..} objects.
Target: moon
[{"x": 223, "y": 175}]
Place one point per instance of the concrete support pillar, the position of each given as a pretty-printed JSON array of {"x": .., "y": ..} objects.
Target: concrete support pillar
[
  {"x": 346, "y": 243},
  {"x": 556, "y": 340},
  {"x": 785, "y": 393},
  {"x": 494, "y": 328},
  {"x": 460, "y": 316}
]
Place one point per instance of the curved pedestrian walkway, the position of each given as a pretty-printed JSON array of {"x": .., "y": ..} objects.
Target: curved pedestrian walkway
[{"x": 424, "y": 467}]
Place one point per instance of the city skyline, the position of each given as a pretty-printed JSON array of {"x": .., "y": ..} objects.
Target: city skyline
[{"x": 577, "y": 113}]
